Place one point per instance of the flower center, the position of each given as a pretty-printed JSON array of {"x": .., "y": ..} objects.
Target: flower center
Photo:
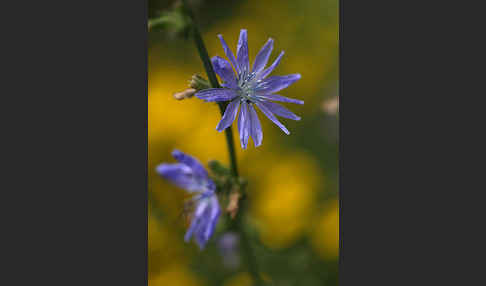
[{"x": 247, "y": 84}]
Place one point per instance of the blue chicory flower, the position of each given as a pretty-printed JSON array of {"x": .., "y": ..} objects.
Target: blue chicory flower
[
  {"x": 190, "y": 175},
  {"x": 250, "y": 87}
]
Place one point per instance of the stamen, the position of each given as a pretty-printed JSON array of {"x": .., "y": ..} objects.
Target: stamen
[{"x": 247, "y": 84}]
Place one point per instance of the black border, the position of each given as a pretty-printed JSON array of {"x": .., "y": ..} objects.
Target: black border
[{"x": 81, "y": 149}]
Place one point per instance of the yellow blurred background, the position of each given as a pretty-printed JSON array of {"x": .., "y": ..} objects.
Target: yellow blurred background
[{"x": 293, "y": 179}]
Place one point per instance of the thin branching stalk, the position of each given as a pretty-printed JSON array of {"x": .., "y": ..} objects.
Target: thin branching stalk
[{"x": 237, "y": 224}]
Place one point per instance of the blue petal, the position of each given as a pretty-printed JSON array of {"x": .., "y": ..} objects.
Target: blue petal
[
  {"x": 267, "y": 71},
  {"x": 242, "y": 53},
  {"x": 200, "y": 231},
  {"x": 204, "y": 221},
  {"x": 229, "y": 115},
  {"x": 197, "y": 219},
  {"x": 200, "y": 240},
  {"x": 243, "y": 125},
  {"x": 280, "y": 110},
  {"x": 191, "y": 229},
  {"x": 213, "y": 217},
  {"x": 191, "y": 162},
  {"x": 223, "y": 68},
  {"x": 255, "y": 128},
  {"x": 228, "y": 52},
  {"x": 262, "y": 57},
  {"x": 276, "y": 97},
  {"x": 276, "y": 83},
  {"x": 180, "y": 175},
  {"x": 270, "y": 116},
  {"x": 216, "y": 94}
]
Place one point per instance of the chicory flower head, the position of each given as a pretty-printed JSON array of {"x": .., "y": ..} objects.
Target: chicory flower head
[
  {"x": 250, "y": 87},
  {"x": 191, "y": 176}
]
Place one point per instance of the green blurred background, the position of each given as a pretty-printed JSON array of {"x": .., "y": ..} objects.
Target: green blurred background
[{"x": 293, "y": 179}]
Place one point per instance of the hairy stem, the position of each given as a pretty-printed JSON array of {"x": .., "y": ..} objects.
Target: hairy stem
[{"x": 237, "y": 224}]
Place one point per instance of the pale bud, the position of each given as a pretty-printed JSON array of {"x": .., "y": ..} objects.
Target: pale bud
[{"x": 188, "y": 93}]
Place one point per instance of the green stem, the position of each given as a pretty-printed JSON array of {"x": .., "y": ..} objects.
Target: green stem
[
  {"x": 237, "y": 224},
  {"x": 246, "y": 248},
  {"x": 203, "y": 54}
]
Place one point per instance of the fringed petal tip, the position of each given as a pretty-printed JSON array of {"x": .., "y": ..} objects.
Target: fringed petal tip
[
  {"x": 262, "y": 57},
  {"x": 228, "y": 52},
  {"x": 176, "y": 153},
  {"x": 162, "y": 169},
  {"x": 275, "y": 83},
  {"x": 242, "y": 57},
  {"x": 181, "y": 156},
  {"x": 263, "y": 74}
]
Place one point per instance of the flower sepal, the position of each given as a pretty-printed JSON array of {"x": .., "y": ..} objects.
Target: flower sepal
[
  {"x": 199, "y": 83},
  {"x": 230, "y": 190},
  {"x": 225, "y": 182}
]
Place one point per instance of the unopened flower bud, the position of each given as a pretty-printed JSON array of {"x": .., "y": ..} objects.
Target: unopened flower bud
[
  {"x": 218, "y": 169},
  {"x": 199, "y": 83},
  {"x": 188, "y": 93}
]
